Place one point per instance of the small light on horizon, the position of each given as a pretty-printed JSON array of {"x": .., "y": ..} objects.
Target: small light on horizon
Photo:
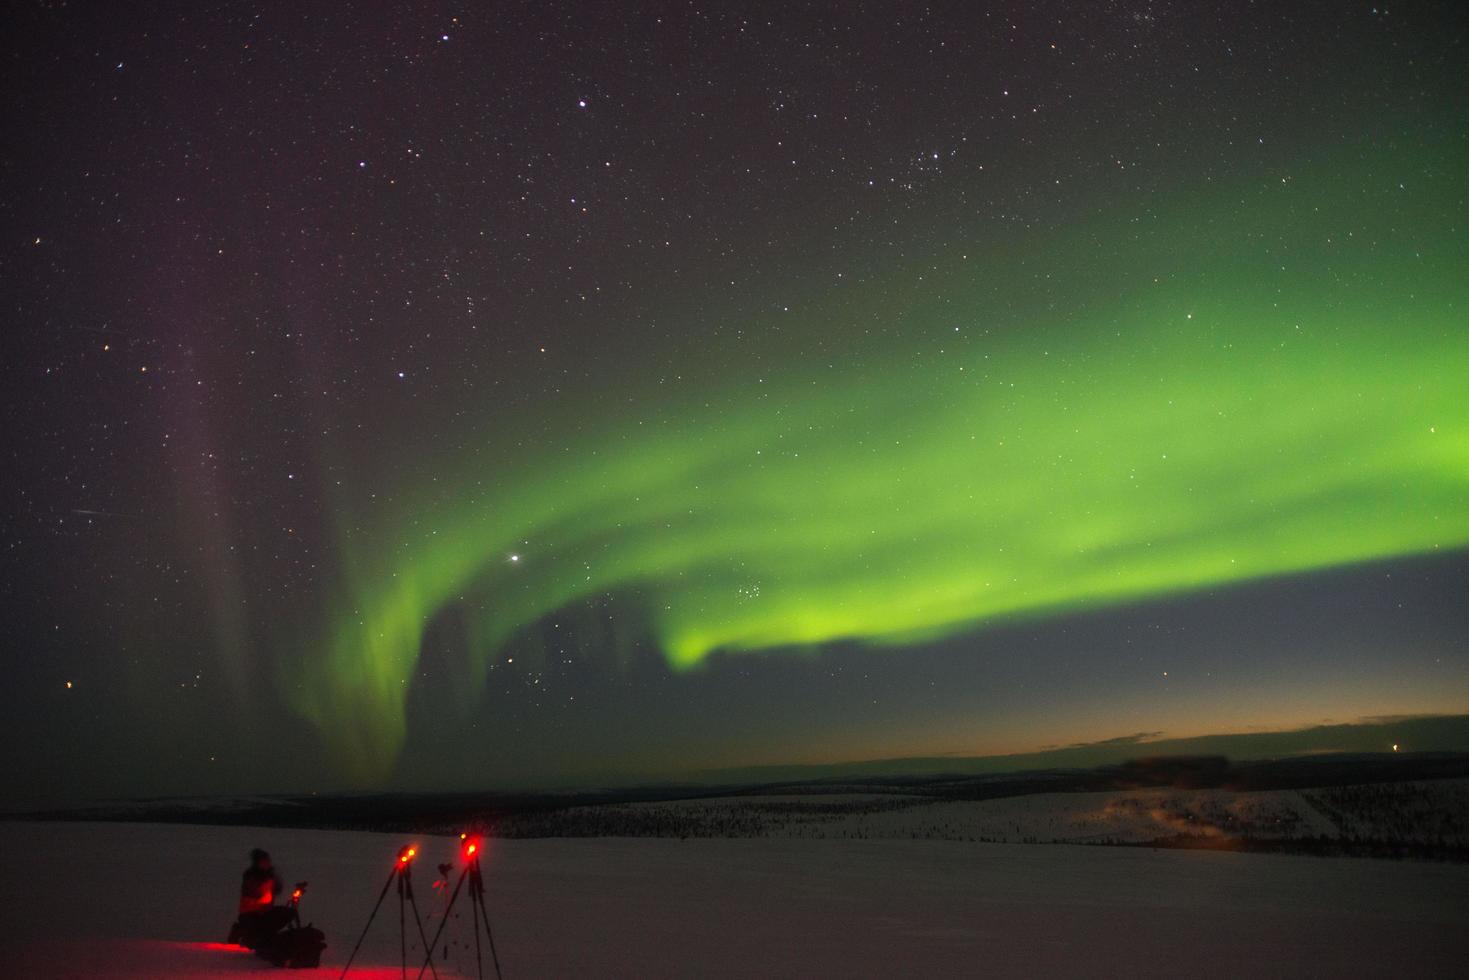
[{"x": 1395, "y": 746}]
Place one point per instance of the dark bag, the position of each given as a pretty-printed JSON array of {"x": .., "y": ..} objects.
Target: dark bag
[
  {"x": 298, "y": 948},
  {"x": 256, "y": 929}
]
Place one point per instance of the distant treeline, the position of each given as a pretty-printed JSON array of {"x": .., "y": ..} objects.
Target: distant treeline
[
  {"x": 1210, "y": 772},
  {"x": 577, "y": 814},
  {"x": 766, "y": 818}
]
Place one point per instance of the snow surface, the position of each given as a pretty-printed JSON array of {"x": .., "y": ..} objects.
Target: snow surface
[{"x": 147, "y": 900}]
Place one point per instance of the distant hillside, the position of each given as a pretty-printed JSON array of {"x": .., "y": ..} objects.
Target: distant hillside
[
  {"x": 1435, "y": 733},
  {"x": 1395, "y": 805}
]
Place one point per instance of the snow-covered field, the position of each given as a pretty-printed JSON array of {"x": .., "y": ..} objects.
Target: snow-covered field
[{"x": 147, "y": 900}]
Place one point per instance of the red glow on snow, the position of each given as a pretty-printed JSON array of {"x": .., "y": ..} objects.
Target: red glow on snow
[{"x": 216, "y": 947}]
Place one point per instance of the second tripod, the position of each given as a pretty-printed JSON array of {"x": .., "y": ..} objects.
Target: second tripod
[
  {"x": 402, "y": 873},
  {"x": 478, "y": 914}
]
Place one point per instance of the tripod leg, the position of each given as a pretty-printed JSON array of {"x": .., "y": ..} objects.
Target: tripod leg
[
  {"x": 489, "y": 933},
  {"x": 479, "y": 968},
  {"x": 419, "y": 919},
  {"x": 402, "y": 933},
  {"x": 428, "y": 960},
  {"x": 381, "y": 895}
]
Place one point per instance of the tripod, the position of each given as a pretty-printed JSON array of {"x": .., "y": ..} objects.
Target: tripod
[
  {"x": 402, "y": 873},
  {"x": 478, "y": 916}
]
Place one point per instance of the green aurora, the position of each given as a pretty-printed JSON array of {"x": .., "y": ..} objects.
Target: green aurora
[{"x": 1245, "y": 381}]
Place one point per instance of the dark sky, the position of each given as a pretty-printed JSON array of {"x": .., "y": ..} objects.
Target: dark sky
[{"x": 436, "y": 395}]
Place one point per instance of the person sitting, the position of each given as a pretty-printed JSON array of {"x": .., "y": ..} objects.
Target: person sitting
[{"x": 259, "y": 916}]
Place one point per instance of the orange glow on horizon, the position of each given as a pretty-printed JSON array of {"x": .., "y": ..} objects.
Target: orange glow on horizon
[{"x": 938, "y": 740}]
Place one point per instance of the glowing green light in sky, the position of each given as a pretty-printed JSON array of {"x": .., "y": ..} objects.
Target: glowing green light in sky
[{"x": 1258, "y": 382}]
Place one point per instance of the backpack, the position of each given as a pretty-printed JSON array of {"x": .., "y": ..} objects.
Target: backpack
[{"x": 298, "y": 947}]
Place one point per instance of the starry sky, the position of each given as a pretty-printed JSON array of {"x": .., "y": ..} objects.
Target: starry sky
[{"x": 454, "y": 396}]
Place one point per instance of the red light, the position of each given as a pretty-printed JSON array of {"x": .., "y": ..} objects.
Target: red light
[
  {"x": 214, "y": 947},
  {"x": 296, "y": 895}
]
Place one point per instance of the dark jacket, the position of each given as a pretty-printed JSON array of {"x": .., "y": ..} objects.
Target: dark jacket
[{"x": 257, "y": 890}]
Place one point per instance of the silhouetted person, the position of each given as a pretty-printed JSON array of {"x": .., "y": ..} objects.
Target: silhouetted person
[{"x": 260, "y": 918}]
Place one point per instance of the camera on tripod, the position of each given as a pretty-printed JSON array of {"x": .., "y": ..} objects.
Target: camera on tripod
[{"x": 471, "y": 846}]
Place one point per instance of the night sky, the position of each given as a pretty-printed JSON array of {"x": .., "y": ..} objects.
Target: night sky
[{"x": 523, "y": 394}]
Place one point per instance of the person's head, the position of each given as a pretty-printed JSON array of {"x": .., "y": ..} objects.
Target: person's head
[{"x": 260, "y": 859}]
